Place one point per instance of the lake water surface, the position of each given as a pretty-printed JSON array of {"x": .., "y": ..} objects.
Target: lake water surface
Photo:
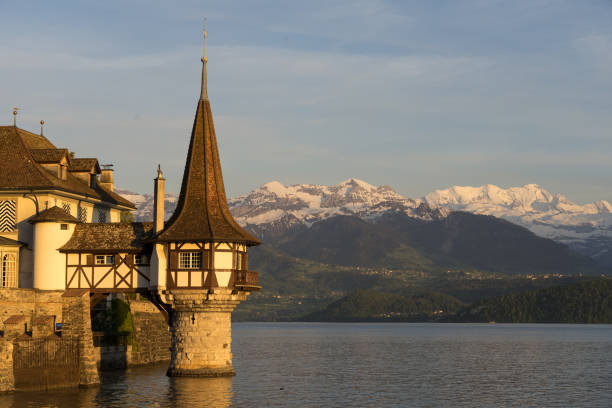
[{"x": 376, "y": 365}]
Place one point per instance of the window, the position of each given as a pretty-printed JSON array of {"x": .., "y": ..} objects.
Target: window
[
  {"x": 66, "y": 207},
  {"x": 105, "y": 259},
  {"x": 82, "y": 214},
  {"x": 101, "y": 216},
  {"x": 190, "y": 260},
  {"x": 8, "y": 271},
  {"x": 63, "y": 226},
  {"x": 8, "y": 215},
  {"x": 141, "y": 259}
]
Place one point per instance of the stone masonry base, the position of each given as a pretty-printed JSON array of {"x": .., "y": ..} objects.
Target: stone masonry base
[{"x": 202, "y": 332}]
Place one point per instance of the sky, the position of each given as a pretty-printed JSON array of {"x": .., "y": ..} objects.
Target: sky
[{"x": 418, "y": 95}]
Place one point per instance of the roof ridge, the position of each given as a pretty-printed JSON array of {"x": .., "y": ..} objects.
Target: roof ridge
[
  {"x": 44, "y": 138},
  {"x": 36, "y": 166}
]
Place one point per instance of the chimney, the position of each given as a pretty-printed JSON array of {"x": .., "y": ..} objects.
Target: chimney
[
  {"x": 158, "y": 201},
  {"x": 106, "y": 177}
]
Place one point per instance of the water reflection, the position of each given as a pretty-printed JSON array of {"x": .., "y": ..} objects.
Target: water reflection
[
  {"x": 194, "y": 392},
  {"x": 137, "y": 387},
  {"x": 391, "y": 365}
]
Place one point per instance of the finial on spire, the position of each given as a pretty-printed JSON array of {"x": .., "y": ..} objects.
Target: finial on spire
[
  {"x": 160, "y": 175},
  {"x": 42, "y": 125},
  {"x": 205, "y": 35},
  {"x": 204, "y": 93},
  {"x": 15, "y": 111}
]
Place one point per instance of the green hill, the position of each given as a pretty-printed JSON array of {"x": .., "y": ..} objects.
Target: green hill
[
  {"x": 461, "y": 240},
  {"x": 373, "y": 305},
  {"x": 584, "y": 302},
  {"x": 294, "y": 287}
]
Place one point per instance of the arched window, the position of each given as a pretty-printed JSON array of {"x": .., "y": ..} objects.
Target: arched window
[{"x": 8, "y": 271}]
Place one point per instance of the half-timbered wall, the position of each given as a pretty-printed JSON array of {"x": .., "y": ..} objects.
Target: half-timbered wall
[
  {"x": 218, "y": 266},
  {"x": 123, "y": 274}
]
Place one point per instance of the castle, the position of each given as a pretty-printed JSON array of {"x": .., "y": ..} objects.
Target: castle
[{"x": 61, "y": 230}]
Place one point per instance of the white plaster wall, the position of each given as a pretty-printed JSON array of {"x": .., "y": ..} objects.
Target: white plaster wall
[
  {"x": 115, "y": 215},
  {"x": 223, "y": 260},
  {"x": 223, "y": 278},
  {"x": 49, "y": 263},
  {"x": 26, "y": 208},
  {"x": 159, "y": 264},
  {"x": 73, "y": 259}
]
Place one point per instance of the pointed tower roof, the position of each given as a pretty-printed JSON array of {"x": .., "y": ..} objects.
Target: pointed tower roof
[{"x": 202, "y": 213}]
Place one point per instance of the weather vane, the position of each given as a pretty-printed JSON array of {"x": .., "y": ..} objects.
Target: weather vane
[
  {"x": 15, "y": 111},
  {"x": 42, "y": 125},
  {"x": 205, "y": 35}
]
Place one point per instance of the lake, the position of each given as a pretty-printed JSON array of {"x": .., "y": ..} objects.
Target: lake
[{"x": 374, "y": 365}]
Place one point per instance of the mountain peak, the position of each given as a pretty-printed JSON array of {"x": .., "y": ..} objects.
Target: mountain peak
[
  {"x": 276, "y": 187},
  {"x": 308, "y": 203},
  {"x": 357, "y": 183}
]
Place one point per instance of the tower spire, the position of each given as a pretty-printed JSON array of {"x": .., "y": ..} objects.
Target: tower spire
[
  {"x": 204, "y": 93},
  {"x": 202, "y": 213}
]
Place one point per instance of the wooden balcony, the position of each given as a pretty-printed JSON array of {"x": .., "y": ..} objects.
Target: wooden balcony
[{"x": 247, "y": 280}]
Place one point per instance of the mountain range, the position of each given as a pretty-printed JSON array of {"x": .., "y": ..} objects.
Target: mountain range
[{"x": 273, "y": 210}]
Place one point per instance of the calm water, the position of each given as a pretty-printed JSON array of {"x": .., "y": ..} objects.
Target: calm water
[{"x": 374, "y": 365}]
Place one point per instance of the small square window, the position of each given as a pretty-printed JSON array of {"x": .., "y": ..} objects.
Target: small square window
[
  {"x": 190, "y": 260},
  {"x": 64, "y": 226},
  {"x": 105, "y": 259},
  {"x": 141, "y": 259}
]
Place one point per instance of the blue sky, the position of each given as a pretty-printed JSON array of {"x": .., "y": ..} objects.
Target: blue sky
[{"x": 417, "y": 95}]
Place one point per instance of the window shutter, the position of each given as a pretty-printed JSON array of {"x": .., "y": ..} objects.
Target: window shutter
[
  {"x": 117, "y": 259},
  {"x": 173, "y": 260},
  {"x": 8, "y": 215},
  {"x": 90, "y": 259},
  {"x": 129, "y": 258},
  {"x": 245, "y": 261},
  {"x": 205, "y": 260}
]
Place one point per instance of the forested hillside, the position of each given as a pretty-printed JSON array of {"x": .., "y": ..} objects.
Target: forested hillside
[{"x": 584, "y": 302}]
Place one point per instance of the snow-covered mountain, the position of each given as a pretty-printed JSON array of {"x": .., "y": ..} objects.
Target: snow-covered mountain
[
  {"x": 144, "y": 204},
  {"x": 274, "y": 208},
  {"x": 586, "y": 228}
]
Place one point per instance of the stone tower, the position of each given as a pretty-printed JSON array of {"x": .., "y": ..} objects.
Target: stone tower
[{"x": 201, "y": 258}]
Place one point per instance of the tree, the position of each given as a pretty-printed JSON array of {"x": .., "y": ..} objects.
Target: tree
[{"x": 127, "y": 217}]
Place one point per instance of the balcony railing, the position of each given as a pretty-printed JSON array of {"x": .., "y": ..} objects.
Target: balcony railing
[{"x": 247, "y": 280}]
